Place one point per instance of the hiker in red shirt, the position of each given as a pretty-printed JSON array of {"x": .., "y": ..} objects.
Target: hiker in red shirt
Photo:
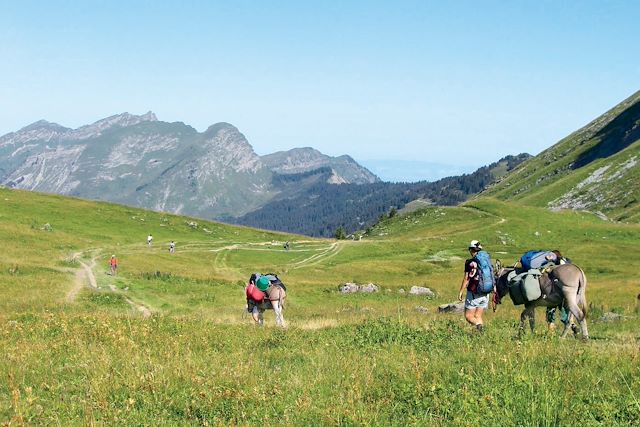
[{"x": 113, "y": 265}]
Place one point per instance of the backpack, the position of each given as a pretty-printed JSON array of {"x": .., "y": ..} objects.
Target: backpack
[
  {"x": 535, "y": 259},
  {"x": 273, "y": 279},
  {"x": 524, "y": 287},
  {"x": 485, "y": 272},
  {"x": 253, "y": 293}
]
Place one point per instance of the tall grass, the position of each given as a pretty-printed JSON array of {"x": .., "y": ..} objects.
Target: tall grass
[{"x": 344, "y": 359}]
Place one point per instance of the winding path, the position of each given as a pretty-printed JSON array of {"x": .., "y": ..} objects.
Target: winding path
[{"x": 84, "y": 276}]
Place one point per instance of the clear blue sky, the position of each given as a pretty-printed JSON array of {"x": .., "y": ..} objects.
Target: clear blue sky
[{"x": 446, "y": 82}]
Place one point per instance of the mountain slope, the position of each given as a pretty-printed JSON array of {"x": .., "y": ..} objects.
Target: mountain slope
[
  {"x": 141, "y": 161},
  {"x": 299, "y": 160},
  {"x": 322, "y": 208},
  {"x": 594, "y": 168}
]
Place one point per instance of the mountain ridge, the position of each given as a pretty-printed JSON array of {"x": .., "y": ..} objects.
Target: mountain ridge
[
  {"x": 141, "y": 161},
  {"x": 593, "y": 168}
]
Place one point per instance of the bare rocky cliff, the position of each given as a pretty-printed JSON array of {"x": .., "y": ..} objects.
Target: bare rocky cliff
[{"x": 141, "y": 161}]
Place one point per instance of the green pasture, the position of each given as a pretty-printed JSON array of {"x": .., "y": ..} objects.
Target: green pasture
[{"x": 78, "y": 355}]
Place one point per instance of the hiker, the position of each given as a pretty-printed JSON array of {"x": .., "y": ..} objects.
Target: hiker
[
  {"x": 286, "y": 246},
  {"x": 551, "y": 312},
  {"x": 113, "y": 265},
  {"x": 255, "y": 292},
  {"x": 149, "y": 239},
  {"x": 478, "y": 281},
  {"x": 172, "y": 247}
]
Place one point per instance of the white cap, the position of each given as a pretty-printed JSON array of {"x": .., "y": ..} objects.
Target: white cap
[{"x": 475, "y": 245}]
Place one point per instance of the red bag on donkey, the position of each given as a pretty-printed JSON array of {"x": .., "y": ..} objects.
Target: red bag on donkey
[{"x": 254, "y": 293}]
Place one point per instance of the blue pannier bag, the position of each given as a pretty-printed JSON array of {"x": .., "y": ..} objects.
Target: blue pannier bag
[{"x": 485, "y": 270}]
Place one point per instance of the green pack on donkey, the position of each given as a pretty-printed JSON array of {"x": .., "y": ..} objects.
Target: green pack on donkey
[{"x": 528, "y": 281}]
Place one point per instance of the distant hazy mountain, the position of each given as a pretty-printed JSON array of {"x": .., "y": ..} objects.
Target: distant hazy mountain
[
  {"x": 140, "y": 161},
  {"x": 299, "y": 160},
  {"x": 414, "y": 170},
  {"x": 594, "y": 168}
]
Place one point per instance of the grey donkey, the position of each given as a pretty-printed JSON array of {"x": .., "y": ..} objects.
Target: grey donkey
[{"x": 565, "y": 285}]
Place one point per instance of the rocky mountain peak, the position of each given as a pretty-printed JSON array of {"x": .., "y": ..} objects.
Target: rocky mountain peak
[
  {"x": 119, "y": 120},
  {"x": 44, "y": 125},
  {"x": 124, "y": 119},
  {"x": 297, "y": 160},
  {"x": 214, "y": 129},
  {"x": 225, "y": 145}
]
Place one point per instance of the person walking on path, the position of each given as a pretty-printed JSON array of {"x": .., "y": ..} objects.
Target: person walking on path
[
  {"x": 149, "y": 239},
  {"x": 172, "y": 247},
  {"x": 475, "y": 301},
  {"x": 113, "y": 265}
]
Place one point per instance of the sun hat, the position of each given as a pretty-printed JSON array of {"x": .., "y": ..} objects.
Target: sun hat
[
  {"x": 263, "y": 283},
  {"x": 475, "y": 245}
]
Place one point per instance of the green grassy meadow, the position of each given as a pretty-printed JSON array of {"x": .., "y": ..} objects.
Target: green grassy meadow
[{"x": 74, "y": 354}]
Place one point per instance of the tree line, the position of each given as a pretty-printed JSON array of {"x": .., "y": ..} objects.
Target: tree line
[{"x": 321, "y": 208}]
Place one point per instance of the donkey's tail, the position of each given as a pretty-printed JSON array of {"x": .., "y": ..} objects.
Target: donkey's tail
[{"x": 582, "y": 293}]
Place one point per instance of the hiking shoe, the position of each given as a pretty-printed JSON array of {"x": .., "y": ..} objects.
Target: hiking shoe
[{"x": 480, "y": 327}]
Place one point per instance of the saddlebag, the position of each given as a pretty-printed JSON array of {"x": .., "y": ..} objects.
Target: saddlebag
[{"x": 524, "y": 287}]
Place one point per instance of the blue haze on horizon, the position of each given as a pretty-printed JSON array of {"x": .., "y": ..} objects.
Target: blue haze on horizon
[{"x": 458, "y": 83}]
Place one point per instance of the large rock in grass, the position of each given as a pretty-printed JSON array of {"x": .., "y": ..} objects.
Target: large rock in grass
[
  {"x": 352, "y": 288},
  {"x": 611, "y": 317},
  {"x": 454, "y": 307},
  {"x": 421, "y": 290},
  {"x": 369, "y": 288}
]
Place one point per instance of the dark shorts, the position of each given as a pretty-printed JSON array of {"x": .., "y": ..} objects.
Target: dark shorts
[{"x": 264, "y": 305}]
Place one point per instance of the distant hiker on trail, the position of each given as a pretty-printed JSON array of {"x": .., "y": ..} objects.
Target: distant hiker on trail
[
  {"x": 286, "y": 246},
  {"x": 149, "y": 239},
  {"x": 113, "y": 265},
  {"x": 172, "y": 247},
  {"x": 478, "y": 281}
]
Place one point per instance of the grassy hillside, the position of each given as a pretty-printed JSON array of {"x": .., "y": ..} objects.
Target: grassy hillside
[
  {"x": 74, "y": 354},
  {"x": 595, "y": 168}
]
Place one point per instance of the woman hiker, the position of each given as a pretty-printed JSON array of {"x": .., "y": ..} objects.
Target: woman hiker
[{"x": 476, "y": 301}]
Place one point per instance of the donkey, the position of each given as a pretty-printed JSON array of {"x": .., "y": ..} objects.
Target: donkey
[
  {"x": 565, "y": 285},
  {"x": 276, "y": 295},
  {"x": 258, "y": 302}
]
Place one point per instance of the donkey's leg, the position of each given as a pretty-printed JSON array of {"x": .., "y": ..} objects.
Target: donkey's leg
[
  {"x": 523, "y": 317},
  {"x": 532, "y": 318},
  {"x": 277, "y": 309},
  {"x": 579, "y": 316}
]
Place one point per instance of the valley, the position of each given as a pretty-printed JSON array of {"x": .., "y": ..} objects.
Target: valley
[{"x": 168, "y": 337}]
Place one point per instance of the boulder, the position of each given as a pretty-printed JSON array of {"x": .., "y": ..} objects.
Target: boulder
[
  {"x": 352, "y": 288},
  {"x": 369, "y": 288},
  {"x": 421, "y": 290},
  {"x": 348, "y": 288},
  {"x": 611, "y": 317},
  {"x": 422, "y": 310},
  {"x": 454, "y": 307}
]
